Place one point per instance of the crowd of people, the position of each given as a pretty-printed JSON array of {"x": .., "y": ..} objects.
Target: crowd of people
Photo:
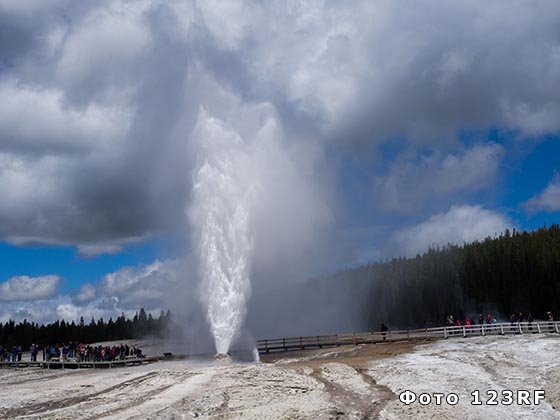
[
  {"x": 514, "y": 318},
  {"x": 7, "y": 355},
  {"x": 72, "y": 351}
]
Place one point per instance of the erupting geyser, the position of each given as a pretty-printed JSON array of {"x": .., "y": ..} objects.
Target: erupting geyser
[{"x": 220, "y": 217}]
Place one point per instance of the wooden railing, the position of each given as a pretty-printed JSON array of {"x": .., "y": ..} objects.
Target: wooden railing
[
  {"x": 74, "y": 364},
  {"x": 320, "y": 341}
]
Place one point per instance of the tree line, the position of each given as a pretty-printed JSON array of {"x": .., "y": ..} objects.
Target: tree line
[
  {"x": 510, "y": 273},
  {"x": 141, "y": 325}
]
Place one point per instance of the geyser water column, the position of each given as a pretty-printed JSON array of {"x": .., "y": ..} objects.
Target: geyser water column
[{"x": 220, "y": 215}]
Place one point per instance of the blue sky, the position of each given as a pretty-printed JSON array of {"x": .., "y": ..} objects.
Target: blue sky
[
  {"x": 76, "y": 269},
  {"x": 371, "y": 131}
]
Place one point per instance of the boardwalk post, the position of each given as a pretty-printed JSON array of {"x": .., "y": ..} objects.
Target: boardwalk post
[
  {"x": 482, "y": 329},
  {"x": 354, "y": 338},
  {"x": 556, "y": 325},
  {"x": 502, "y": 328},
  {"x": 464, "y": 331},
  {"x": 426, "y": 334},
  {"x": 520, "y": 329},
  {"x": 539, "y": 327},
  {"x": 445, "y": 332}
]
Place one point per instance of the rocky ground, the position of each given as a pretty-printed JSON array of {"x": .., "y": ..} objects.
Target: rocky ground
[{"x": 345, "y": 382}]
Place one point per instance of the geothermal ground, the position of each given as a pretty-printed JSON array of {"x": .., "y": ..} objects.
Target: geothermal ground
[{"x": 345, "y": 382}]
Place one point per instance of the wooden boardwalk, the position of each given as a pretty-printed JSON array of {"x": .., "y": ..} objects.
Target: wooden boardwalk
[
  {"x": 74, "y": 364},
  {"x": 438, "y": 333},
  {"x": 320, "y": 341}
]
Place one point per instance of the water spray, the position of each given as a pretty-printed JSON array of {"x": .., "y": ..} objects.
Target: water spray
[{"x": 220, "y": 217}]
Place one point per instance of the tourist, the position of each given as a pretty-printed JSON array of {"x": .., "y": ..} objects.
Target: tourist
[
  {"x": 450, "y": 321},
  {"x": 34, "y": 349},
  {"x": 384, "y": 330}
]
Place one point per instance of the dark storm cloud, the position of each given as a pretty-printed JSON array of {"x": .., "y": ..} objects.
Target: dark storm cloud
[
  {"x": 457, "y": 65},
  {"x": 20, "y": 29},
  {"x": 111, "y": 192}
]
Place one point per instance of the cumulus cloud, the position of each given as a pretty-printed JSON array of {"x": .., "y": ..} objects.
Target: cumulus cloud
[
  {"x": 396, "y": 68},
  {"x": 88, "y": 130},
  {"x": 86, "y": 294},
  {"x": 68, "y": 312},
  {"x": 131, "y": 287},
  {"x": 105, "y": 308},
  {"x": 548, "y": 200},
  {"x": 415, "y": 178},
  {"x": 24, "y": 288},
  {"x": 108, "y": 94},
  {"x": 40, "y": 311},
  {"x": 460, "y": 224},
  {"x": 155, "y": 287},
  {"x": 105, "y": 47},
  {"x": 36, "y": 121}
]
